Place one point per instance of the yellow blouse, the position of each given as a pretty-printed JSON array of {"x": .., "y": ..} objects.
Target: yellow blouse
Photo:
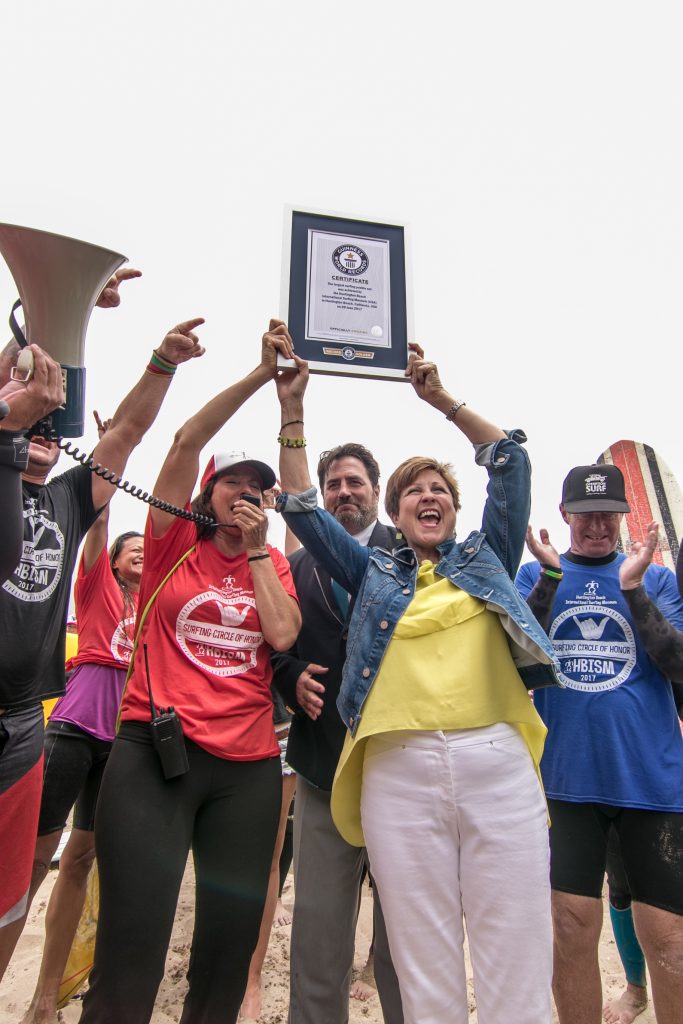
[{"x": 448, "y": 666}]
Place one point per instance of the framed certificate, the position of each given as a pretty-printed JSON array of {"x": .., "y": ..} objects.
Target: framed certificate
[{"x": 345, "y": 295}]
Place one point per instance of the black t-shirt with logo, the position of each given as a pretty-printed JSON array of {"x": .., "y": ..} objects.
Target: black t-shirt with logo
[{"x": 34, "y": 599}]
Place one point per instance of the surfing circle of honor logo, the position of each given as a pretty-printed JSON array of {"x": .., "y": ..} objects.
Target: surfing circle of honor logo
[
  {"x": 121, "y": 644},
  {"x": 350, "y": 260},
  {"x": 211, "y": 632}
]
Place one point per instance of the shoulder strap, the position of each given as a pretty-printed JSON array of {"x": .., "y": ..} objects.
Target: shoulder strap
[{"x": 141, "y": 622}]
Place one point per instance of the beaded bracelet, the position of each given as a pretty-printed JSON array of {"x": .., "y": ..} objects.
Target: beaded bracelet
[{"x": 291, "y": 442}]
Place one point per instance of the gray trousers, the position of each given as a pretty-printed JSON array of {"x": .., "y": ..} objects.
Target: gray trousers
[{"x": 327, "y": 879}]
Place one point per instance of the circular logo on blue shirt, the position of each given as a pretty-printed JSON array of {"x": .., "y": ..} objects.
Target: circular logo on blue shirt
[{"x": 595, "y": 645}]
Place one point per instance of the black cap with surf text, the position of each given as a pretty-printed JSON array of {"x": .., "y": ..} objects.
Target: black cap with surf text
[{"x": 596, "y": 488}]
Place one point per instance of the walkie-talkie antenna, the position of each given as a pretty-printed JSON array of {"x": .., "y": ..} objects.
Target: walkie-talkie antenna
[{"x": 149, "y": 683}]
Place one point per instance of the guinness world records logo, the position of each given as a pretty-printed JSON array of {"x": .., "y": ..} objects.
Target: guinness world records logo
[{"x": 350, "y": 260}]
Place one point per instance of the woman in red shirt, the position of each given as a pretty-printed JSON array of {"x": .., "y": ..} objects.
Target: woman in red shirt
[{"x": 215, "y": 600}]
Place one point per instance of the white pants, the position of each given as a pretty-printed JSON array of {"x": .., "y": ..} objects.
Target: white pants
[{"x": 456, "y": 825}]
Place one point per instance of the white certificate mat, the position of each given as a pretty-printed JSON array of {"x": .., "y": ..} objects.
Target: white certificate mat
[{"x": 347, "y": 289}]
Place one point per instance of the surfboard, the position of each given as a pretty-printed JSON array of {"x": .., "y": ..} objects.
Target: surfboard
[
  {"x": 82, "y": 955},
  {"x": 653, "y": 493}
]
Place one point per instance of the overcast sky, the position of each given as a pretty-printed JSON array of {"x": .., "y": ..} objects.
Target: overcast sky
[{"x": 534, "y": 149}]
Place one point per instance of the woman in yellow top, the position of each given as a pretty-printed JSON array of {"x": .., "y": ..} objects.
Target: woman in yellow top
[{"x": 438, "y": 777}]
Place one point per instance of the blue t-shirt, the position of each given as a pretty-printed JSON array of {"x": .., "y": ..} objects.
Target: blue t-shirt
[{"x": 613, "y": 732}]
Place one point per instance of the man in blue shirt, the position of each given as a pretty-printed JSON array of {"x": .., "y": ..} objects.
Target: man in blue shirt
[{"x": 614, "y": 753}]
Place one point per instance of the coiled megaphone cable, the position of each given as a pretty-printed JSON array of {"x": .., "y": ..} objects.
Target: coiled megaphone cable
[{"x": 127, "y": 487}]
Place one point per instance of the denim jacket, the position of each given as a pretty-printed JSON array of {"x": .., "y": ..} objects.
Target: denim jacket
[{"x": 384, "y": 582}]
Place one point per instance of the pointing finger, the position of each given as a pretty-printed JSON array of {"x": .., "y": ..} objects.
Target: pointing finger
[
  {"x": 185, "y": 326},
  {"x": 126, "y": 274}
]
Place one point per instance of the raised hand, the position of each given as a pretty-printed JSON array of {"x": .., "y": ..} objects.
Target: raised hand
[
  {"x": 639, "y": 557},
  {"x": 181, "y": 343},
  {"x": 102, "y": 425},
  {"x": 424, "y": 376},
  {"x": 276, "y": 341},
  {"x": 541, "y": 548},
  {"x": 291, "y": 383},
  {"x": 109, "y": 296}
]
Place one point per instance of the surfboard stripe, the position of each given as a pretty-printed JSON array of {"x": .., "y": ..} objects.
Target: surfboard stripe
[
  {"x": 652, "y": 511},
  {"x": 653, "y": 494},
  {"x": 665, "y": 515},
  {"x": 642, "y": 512},
  {"x": 624, "y": 454}
]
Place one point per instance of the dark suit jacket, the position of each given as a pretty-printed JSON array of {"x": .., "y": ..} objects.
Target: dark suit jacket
[{"x": 314, "y": 747}]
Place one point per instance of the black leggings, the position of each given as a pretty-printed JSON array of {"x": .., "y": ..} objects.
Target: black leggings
[{"x": 225, "y": 811}]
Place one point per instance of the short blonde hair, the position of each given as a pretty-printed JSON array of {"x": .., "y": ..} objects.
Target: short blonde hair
[{"x": 404, "y": 475}]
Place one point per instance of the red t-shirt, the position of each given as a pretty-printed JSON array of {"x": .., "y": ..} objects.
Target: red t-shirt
[
  {"x": 207, "y": 656},
  {"x": 104, "y": 636}
]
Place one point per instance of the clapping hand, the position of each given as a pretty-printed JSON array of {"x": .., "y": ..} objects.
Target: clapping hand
[
  {"x": 541, "y": 548},
  {"x": 638, "y": 559}
]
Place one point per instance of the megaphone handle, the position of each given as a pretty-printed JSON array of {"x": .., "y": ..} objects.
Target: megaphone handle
[{"x": 16, "y": 329}]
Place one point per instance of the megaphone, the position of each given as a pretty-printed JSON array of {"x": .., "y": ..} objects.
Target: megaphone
[{"x": 59, "y": 280}]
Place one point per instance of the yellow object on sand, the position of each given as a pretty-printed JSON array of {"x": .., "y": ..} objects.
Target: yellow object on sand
[
  {"x": 82, "y": 954},
  {"x": 48, "y": 707},
  {"x": 71, "y": 652}
]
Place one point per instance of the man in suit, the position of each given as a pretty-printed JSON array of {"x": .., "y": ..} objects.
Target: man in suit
[{"x": 328, "y": 871}]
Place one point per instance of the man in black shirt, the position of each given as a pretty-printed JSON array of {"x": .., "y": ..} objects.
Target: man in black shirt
[{"x": 34, "y": 601}]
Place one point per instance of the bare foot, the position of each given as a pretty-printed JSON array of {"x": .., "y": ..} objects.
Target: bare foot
[
  {"x": 41, "y": 1014},
  {"x": 251, "y": 1004},
  {"x": 360, "y": 990},
  {"x": 626, "y": 1008},
  {"x": 363, "y": 988},
  {"x": 282, "y": 917}
]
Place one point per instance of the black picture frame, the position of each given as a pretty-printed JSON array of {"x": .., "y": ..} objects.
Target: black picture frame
[{"x": 352, "y": 356}]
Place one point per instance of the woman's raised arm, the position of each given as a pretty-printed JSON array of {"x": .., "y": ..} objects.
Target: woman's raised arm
[{"x": 181, "y": 466}]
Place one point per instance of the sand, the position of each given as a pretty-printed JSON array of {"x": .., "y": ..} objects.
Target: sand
[{"x": 19, "y": 982}]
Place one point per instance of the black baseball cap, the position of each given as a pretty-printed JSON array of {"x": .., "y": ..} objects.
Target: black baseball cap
[{"x": 596, "y": 488}]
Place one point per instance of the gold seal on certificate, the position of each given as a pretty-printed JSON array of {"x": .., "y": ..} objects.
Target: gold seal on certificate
[{"x": 344, "y": 294}]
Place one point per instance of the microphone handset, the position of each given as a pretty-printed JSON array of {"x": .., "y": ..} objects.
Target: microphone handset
[{"x": 167, "y": 735}]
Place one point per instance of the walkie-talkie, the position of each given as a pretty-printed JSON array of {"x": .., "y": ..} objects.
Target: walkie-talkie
[{"x": 167, "y": 735}]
